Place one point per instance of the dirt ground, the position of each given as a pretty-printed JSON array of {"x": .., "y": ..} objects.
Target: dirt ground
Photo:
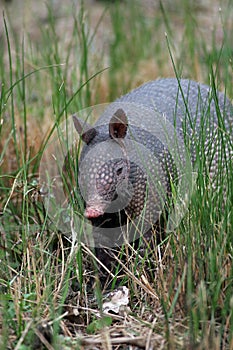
[{"x": 28, "y": 16}]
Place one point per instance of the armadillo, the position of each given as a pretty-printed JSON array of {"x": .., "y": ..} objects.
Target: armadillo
[{"x": 143, "y": 143}]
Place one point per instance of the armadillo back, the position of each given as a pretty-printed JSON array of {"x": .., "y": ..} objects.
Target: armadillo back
[{"x": 176, "y": 102}]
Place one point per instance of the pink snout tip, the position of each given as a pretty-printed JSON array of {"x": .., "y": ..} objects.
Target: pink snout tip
[{"x": 91, "y": 213}]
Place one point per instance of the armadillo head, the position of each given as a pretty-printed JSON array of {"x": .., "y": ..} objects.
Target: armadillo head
[{"x": 104, "y": 167}]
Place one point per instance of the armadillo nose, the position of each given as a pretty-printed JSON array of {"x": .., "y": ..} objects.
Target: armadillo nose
[{"x": 91, "y": 213}]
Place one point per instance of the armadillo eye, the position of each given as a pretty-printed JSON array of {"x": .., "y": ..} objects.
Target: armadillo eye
[
  {"x": 115, "y": 197},
  {"x": 119, "y": 171}
]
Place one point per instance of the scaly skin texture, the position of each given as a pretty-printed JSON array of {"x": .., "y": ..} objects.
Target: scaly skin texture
[{"x": 139, "y": 145}]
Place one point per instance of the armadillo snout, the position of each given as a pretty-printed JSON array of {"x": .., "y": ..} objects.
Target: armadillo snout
[{"x": 93, "y": 213}]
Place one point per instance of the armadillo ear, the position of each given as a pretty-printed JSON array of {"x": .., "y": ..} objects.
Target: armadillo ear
[
  {"x": 118, "y": 125},
  {"x": 86, "y": 131}
]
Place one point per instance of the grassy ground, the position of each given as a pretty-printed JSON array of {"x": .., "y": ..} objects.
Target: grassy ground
[{"x": 67, "y": 58}]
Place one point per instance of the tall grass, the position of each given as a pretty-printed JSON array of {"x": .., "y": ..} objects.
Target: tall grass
[{"x": 184, "y": 298}]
